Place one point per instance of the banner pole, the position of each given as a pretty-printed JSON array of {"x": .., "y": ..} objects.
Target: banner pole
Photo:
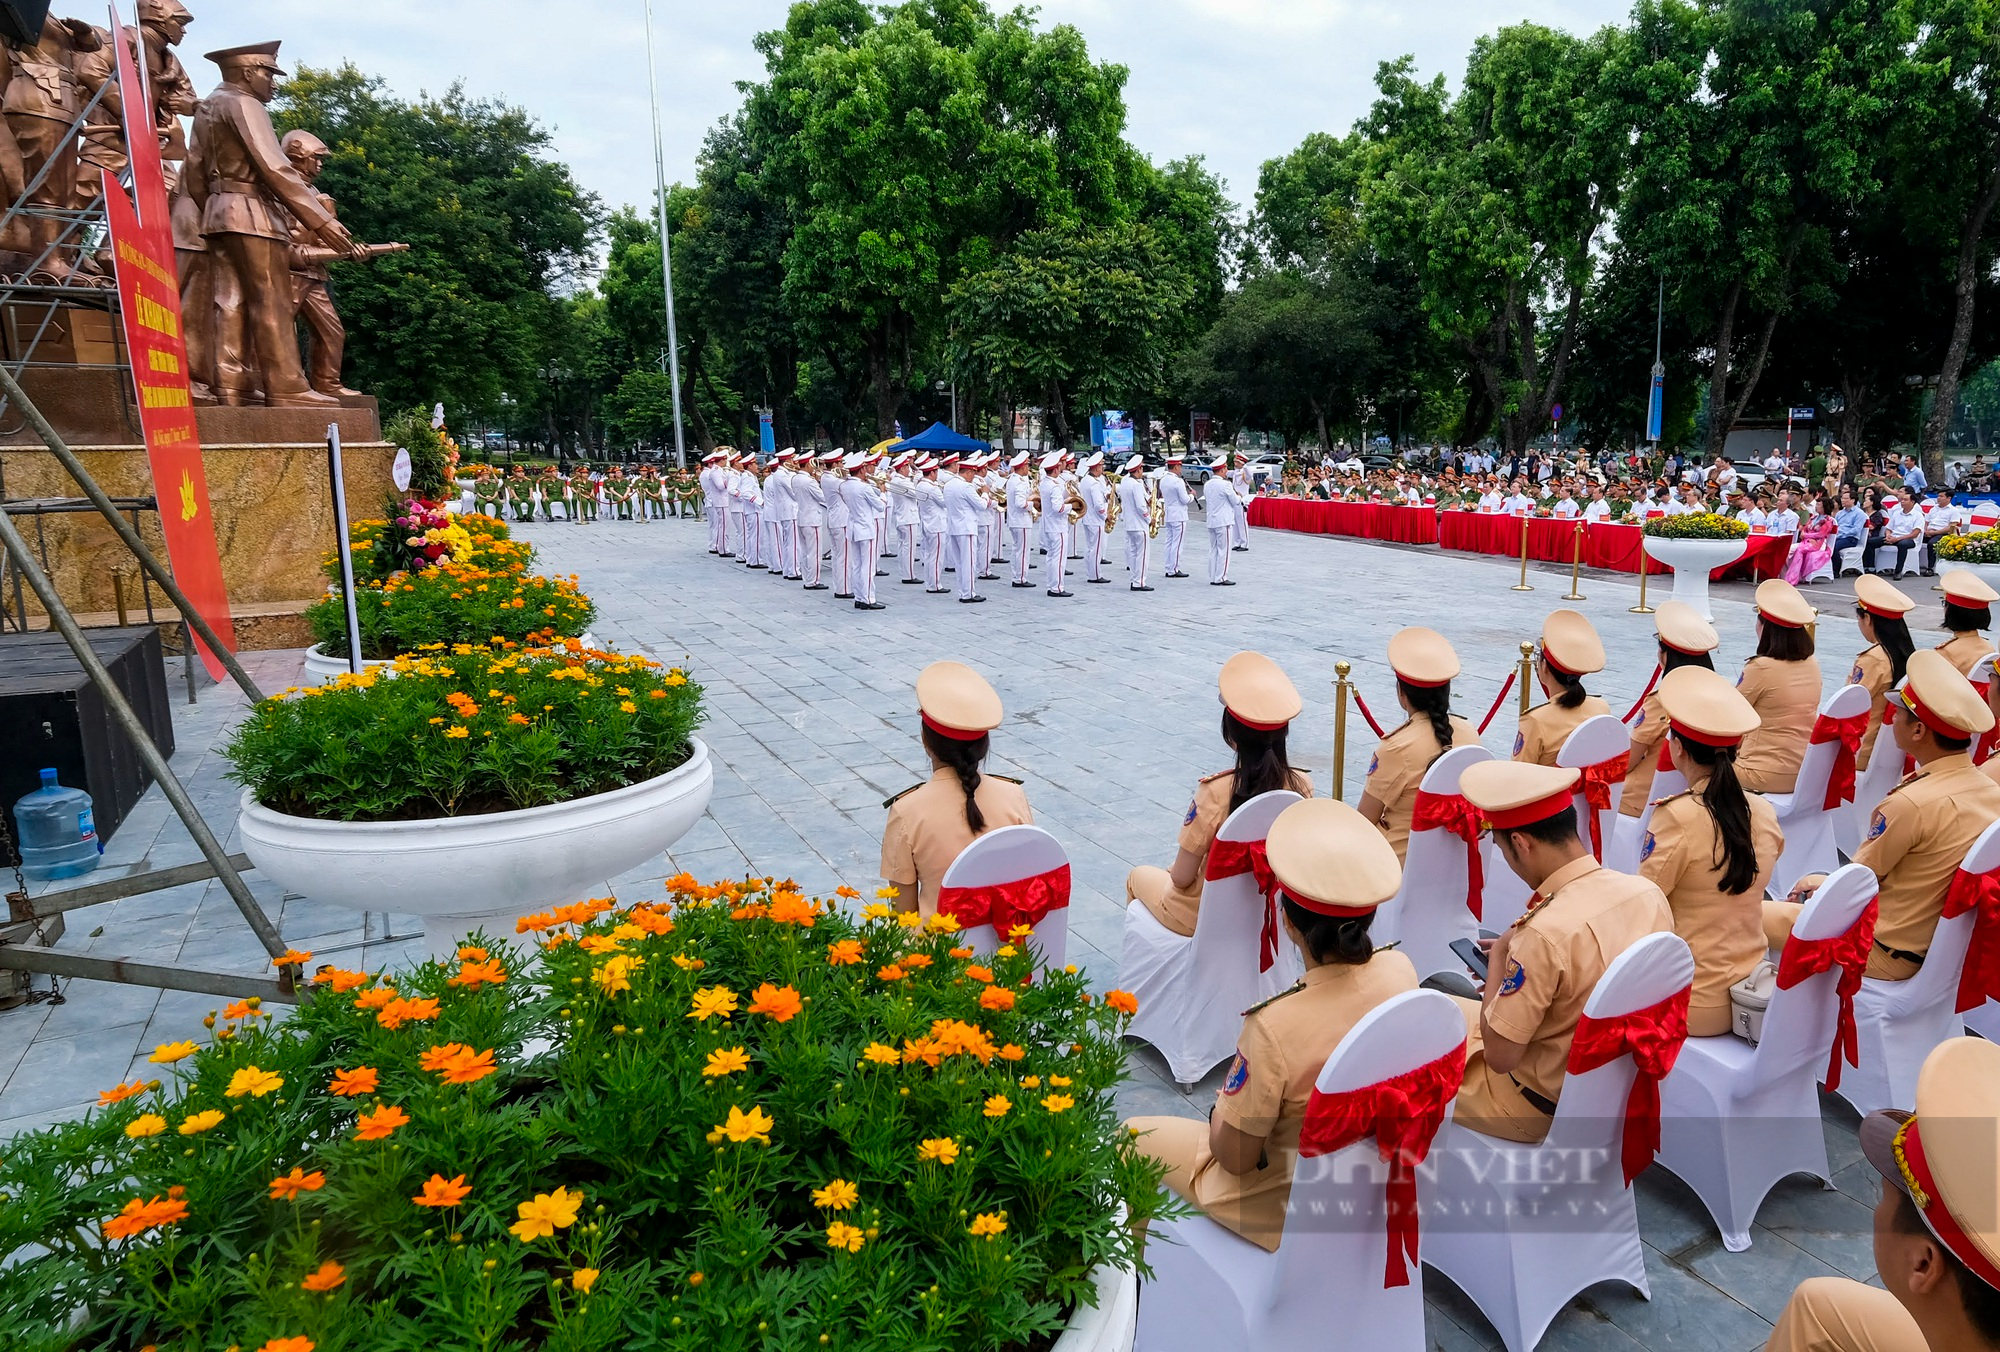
[{"x": 346, "y": 555}]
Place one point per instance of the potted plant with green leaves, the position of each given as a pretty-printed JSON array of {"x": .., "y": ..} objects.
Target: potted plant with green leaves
[{"x": 1694, "y": 545}]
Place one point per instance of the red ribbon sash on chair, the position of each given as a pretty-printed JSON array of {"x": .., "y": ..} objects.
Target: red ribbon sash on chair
[
  {"x": 1653, "y": 1036},
  {"x": 1848, "y": 732},
  {"x": 1230, "y": 858},
  {"x": 1403, "y": 1114},
  {"x": 1025, "y": 901},
  {"x": 1981, "y": 977},
  {"x": 1454, "y": 813},
  {"x": 1804, "y": 958},
  {"x": 1595, "y": 786}
]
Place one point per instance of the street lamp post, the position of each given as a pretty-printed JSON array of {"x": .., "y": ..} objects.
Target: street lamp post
[{"x": 666, "y": 247}]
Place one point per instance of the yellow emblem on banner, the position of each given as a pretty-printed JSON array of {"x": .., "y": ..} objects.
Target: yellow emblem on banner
[{"x": 190, "y": 509}]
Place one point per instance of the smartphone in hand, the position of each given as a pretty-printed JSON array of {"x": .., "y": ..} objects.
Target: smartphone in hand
[{"x": 1469, "y": 953}]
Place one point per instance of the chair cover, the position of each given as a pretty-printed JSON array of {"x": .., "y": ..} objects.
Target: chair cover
[
  {"x": 1871, "y": 786},
  {"x": 985, "y": 869},
  {"x": 1432, "y": 906},
  {"x": 1631, "y": 832},
  {"x": 1598, "y": 747},
  {"x": 1809, "y": 811}
]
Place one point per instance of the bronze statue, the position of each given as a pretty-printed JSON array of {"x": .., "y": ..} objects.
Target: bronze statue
[
  {"x": 238, "y": 175},
  {"x": 162, "y": 25},
  {"x": 42, "y": 101},
  {"x": 312, "y": 297}
]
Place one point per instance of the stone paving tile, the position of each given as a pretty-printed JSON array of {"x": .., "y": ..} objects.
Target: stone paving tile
[{"x": 1112, "y": 717}]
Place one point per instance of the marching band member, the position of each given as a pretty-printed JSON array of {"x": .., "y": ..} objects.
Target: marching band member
[
  {"x": 1174, "y": 494},
  {"x": 903, "y": 510},
  {"x": 1072, "y": 474},
  {"x": 931, "y": 518},
  {"x": 1968, "y": 608},
  {"x": 1879, "y": 612},
  {"x": 781, "y": 516},
  {"x": 714, "y": 477},
  {"x": 1686, "y": 640},
  {"x": 809, "y": 491},
  {"x": 1096, "y": 498},
  {"x": 1055, "y": 522},
  {"x": 1240, "y": 480},
  {"x": 1220, "y": 503},
  {"x": 963, "y": 513},
  {"x": 994, "y": 523},
  {"x": 1135, "y": 502},
  {"x": 1020, "y": 491},
  {"x": 931, "y": 824},
  {"x": 1333, "y": 871},
  {"x": 833, "y": 479},
  {"x": 1542, "y": 968},
  {"x": 1424, "y": 664},
  {"x": 1570, "y": 651},
  {"x": 1712, "y": 848},
  {"x": 1782, "y": 683},
  {"x": 1259, "y": 703},
  {"x": 1920, "y": 833},
  {"x": 865, "y": 503}
]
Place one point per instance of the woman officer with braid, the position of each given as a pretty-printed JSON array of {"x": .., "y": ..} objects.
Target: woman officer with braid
[
  {"x": 1424, "y": 664},
  {"x": 931, "y": 823},
  {"x": 1570, "y": 651}
]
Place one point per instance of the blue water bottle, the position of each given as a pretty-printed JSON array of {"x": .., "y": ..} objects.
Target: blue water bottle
[{"x": 57, "y": 831}]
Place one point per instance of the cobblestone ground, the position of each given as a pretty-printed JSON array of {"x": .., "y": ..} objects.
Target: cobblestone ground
[{"x": 1112, "y": 716}]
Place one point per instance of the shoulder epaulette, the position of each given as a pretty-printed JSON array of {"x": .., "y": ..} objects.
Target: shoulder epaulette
[
  {"x": 893, "y": 799},
  {"x": 1005, "y": 778},
  {"x": 1219, "y": 774},
  {"x": 1657, "y": 802},
  {"x": 1293, "y": 989}
]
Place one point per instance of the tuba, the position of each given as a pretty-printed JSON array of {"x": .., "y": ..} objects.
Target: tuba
[{"x": 1074, "y": 506}]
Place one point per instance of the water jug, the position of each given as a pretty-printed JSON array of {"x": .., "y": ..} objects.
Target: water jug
[{"x": 57, "y": 831}]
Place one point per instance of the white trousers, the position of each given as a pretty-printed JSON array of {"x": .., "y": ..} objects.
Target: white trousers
[
  {"x": 861, "y": 566},
  {"x": 1093, "y": 548},
  {"x": 1241, "y": 522},
  {"x": 1176, "y": 534},
  {"x": 1056, "y": 568},
  {"x": 1218, "y": 553},
  {"x": 1136, "y": 542},
  {"x": 718, "y": 527},
  {"x": 735, "y": 531},
  {"x": 963, "y": 550},
  {"x": 909, "y": 533},
  {"x": 808, "y": 539},
  {"x": 998, "y": 534},
  {"x": 886, "y": 534},
  {"x": 843, "y": 582},
  {"x": 753, "y": 538},
  {"x": 934, "y": 559},
  {"x": 774, "y": 545},
  {"x": 1020, "y": 534},
  {"x": 986, "y": 546}
]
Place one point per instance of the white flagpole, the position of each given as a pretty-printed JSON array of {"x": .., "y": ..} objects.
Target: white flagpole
[{"x": 666, "y": 249}]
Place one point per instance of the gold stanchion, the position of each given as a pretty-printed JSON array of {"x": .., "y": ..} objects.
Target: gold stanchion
[
  {"x": 1576, "y": 567},
  {"x": 1522, "y": 585},
  {"x": 1642, "y": 608},
  {"x": 1527, "y": 673},
  {"x": 1340, "y": 688}
]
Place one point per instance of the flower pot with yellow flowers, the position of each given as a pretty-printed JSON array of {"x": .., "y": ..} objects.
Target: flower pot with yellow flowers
[
  {"x": 480, "y": 782},
  {"x": 752, "y": 1122}
]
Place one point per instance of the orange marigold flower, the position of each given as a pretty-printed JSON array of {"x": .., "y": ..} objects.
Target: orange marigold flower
[
  {"x": 848, "y": 892},
  {"x": 376, "y": 998},
  {"x": 1011, "y": 1052},
  {"x": 394, "y": 1014},
  {"x": 652, "y": 922},
  {"x": 473, "y": 975},
  {"x": 139, "y": 1217},
  {"x": 843, "y": 953},
  {"x": 287, "y": 1345},
  {"x": 341, "y": 982},
  {"x": 597, "y": 944},
  {"x": 791, "y": 908},
  {"x": 473, "y": 953},
  {"x": 329, "y": 1275},
  {"x": 373, "y": 1126},
  {"x": 891, "y": 973},
  {"x": 437, "y": 1057},
  {"x": 242, "y": 1009},
  {"x": 915, "y": 961},
  {"x": 996, "y": 997},
  {"x": 293, "y": 957},
  {"x": 1123, "y": 1001},
  {"x": 962, "y": 952},
  {"x": 582, "y": 1280},
  {"x": 781, "y": 1003},
  {"x": 979, "y": 973},
  {"x": 440, "y": 1191},
  {"x": 354, "y": 1083},
  {"x": 537, "y": 922},
  {"x": 468, "y": 1066},
  {"x": 287, "y": 1187},
  {"x": 118, "y": 1094}
]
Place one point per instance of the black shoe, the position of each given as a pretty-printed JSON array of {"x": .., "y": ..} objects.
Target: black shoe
[
  {"x": 1024, "y": 584},
  {"x": 794, "y": 577},
  {"x": 881, "y": 572},
  {"x": 951, "y": 570},
  {"x": 1176, "y": 574},
  {"x": 726, "y": 556},
  {"x": 1142, "y": 589},
  {"x": 970, "y": 600},
  {"x": 1076, "y": 558},
  {"x": 814, "y": 586},
  {"x": 869, "y": 605},
  {"x": 989, "y": 577},
  {"x": 1094, "y": 580},
  {"x": 937, "y": 591},
  {"x": 1222, "y": 584},
  {"x": 712, "y": 551},
  {"x": 1239, "y": 549},
  {"x": 755, "y": 567},
  {"x": 913, "y": 582},
  {"x": 1061, "y": 593},
  {"x": 843, "y": 596}
]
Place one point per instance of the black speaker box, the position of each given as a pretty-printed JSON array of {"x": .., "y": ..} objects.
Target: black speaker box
[
  {"x": 21, "y": 20},
  {"x": 52, "y": 715}
]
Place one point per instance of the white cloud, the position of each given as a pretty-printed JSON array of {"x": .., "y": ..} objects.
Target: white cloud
[{"x": 1237, "y": 81}]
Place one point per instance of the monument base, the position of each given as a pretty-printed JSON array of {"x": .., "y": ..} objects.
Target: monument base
[{"x": 92, "y": 406}]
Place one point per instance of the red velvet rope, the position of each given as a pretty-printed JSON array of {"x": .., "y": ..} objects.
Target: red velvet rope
[
  {"x": 1455, "y": 813},
  {"x": 1229, "y": 858},
  {"x": 1653, "y": 1037},
  {"x": 1362, "y": 705},
  {"x": 1498, "y": 700},
  {"x": 1849, "y": 732},
  {"x": 1025, "y": 901},
  {"x": 1595, "y": 786},
  {"x": 1640, "y": 702},
  {"x": 1403, "y": 1114},
  {"x": 1804, "y": 958},
  {"x": 1981, "y": 977}
]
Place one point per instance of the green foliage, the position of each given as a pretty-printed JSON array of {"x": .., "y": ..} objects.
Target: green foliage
[
  {"x": 577, "y": 1083},
  {"x": 1698, "y": 526},
  {"x": 466, "y": 729},
  {"x": 430, "y": 467}
]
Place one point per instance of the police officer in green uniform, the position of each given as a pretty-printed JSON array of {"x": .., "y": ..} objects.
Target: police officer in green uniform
[
  {"x": 582, "y": 495},
  {"x": 486, "y": 493},
  {"x": 520, "y": 495}
]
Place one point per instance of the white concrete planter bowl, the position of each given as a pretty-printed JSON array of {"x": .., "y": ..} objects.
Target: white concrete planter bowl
[
  {"x": 1692, "y": 561},
  {"x": 323, "y": 670},
  {"x": 465, "y": 873},
  {"x": 1113, "y": 1324}
]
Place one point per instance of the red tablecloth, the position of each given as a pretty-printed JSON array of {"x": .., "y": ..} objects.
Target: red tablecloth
[
  {"x": 1363, "y": 520},
  {"x": 1549, "y": 540}
]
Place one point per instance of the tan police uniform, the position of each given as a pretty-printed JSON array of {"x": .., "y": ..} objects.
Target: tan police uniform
[
  {"x": 1966, "y": 646},
  {"x": 1963, "y": 650},
  {"x": 1944, "y": 1159},
  {"x": 1258, "y": 694},
  {"x": 1570, "y": 646},
  {"x": 1421, "y": 658},
  {"x": 927, "y": 828},
  {"x": 1681, "y": 630},
  {"x": 1872, "y": 670},
  {"x": 1325, "y": 855},
  {"x": 1922, "y": 829},
  {"x": 1786, "y": 698},
  {"x": 1682, "y": 853},
  {"x": 1580, "y": 918}
]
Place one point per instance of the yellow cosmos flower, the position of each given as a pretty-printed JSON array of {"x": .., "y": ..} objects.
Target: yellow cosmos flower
[
  {"x": 726, "y": 1061},
  {"x": 252, "y": 1081},
  {"x": 713, "y": 1001},
  {"x": 547, "y": 1213},
  {"x": 582, "y": 1280},
  {"x": 838, "y": 1195},
  {"x": 989, "y": 1223},
  {"x": 169, "y": 1052},
  {"x": 877, "y": 911},
  {"x": 882, "y": 1055},
  {"x": 197, "y": 1123},
  {"x": 1057, "y": 1103},
  {"x": 742, "y": 1127},
  {"x": 998, "y": 1105},
  {"x": 943, "y": 1149},
  {"x": 944, "y": 924},
  {"x": 845, "y": 1237},
  {"x": 146, "y": 1124}
]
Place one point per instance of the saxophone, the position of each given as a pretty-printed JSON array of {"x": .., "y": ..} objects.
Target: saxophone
[
  {"x": 1114, "y": 506},
  {"x": 1156, "y": 513},
  {"x": 1035, "y": 494}
]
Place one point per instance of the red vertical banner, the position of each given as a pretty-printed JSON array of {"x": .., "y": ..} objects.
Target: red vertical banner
[{"x": 149, "y": 302}]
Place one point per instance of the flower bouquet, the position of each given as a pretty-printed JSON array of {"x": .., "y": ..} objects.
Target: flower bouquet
[
  {"x": 1697, "y": 526},
  {"x": 415, "y": 537},
  {"x": 1982, "y": 546},
  {"x": 752, "y": 1122}
]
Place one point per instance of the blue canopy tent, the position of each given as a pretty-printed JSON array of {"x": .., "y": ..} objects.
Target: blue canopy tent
[{"x": 938, "y": 437}]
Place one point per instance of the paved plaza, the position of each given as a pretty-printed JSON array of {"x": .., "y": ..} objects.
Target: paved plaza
[{"x": 1111, "y": 717}]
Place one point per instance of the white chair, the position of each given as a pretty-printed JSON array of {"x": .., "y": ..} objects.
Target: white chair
[
  {"x": 1192, "y": 990},
  {"x": 1981, "y": 675},
  {"x": 1735, "y": 1119},
  {"x": 1901, "y": 1021},
  {"x": 1850, "y": 560},
  {"x": 1810, "y": 846},
  {"x": 1009, "y": 854},
  {"x": 1323, "y": 1287},
  {"x": 1429, "y": 910},
  {"x": 1630, "y": 837},
  {"x": 1595, "y": 741},
  {"x": 1912, "y": 560},
  {"x": 1554, "y": 1218},
  {"x": 1823, "y": 573},
  {"x": 1871, "y": 786}
]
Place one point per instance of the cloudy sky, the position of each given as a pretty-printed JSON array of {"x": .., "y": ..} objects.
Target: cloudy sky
[{"x": 1236, "y": 81}]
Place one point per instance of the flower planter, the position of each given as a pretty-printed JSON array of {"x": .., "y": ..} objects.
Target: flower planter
[
  {"x": 1692, "y": 562},
  {"x": 465, "y": 873},
  {"x": 321, "y": 669},
  {"x": 1113, "y": 1324}
]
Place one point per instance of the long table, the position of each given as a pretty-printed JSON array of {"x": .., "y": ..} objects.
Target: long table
[{"x": 1608, "y": 545}]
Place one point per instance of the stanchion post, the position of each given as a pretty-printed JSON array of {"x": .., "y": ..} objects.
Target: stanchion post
[
  {"x": 1642, "y": 608},
  {"x": 1340, "y": 688},
  {"x": 1527, "y": 673},
  {"x": 1522, "y": 585},
  {"x": 1576, "y": 567}
]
